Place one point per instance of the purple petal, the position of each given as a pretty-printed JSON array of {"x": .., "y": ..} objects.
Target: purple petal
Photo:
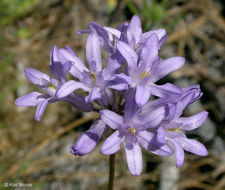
[
  {"x": 123, "y": 77},
  {"x": 93, "y": 50},
  {"x": 77, "y": 62},
  {"x": 89, "y": 139},
  {"x": 100, "y": 79},
  {"x": 117, "y": 85},
  {"x": 113, "y": 63},
  {"x": 36, "y": 77},
  {"x": 142, "y": 95},
  {"x": 103, "y": 35},
  {"x": 149, "y": 50},
  {"x": 56, "y": 69},
  {"x": 162, "y": 41},
  {"x": 130, "y": 139},
  {"x": 86, "y": 79},
  {"x": 112, "y": 119},
  {"x": 60, "y": 70},
  {"x": 154, "y": 104},
  {"x": 159, "y": 32},
  {"x": 171, "y": 110},
  {"x": 193, "y": 122},
  {"x": 76, "y": 72},
  {"x": 189, "y": 145},
  {"x": 161, "y": 135},
  {"x": 68, "y": 50},
  {"x": 165, "y": 67},
  {"x": 174, "y": 135},
  {"x": 179, "y": 153},
  {"x": 125, "y": 38},
  {"x": 67, "y": 55},
  {"x": 129, "y": 55},
  {"x": 78, "y": 102},
  {"x": 59, "y": 65},
  {"x": 166, "y": 90},
  {"x": 135, "y": 29},
  {"x": 32, "y": 99},
  {"x": 93, "y": 67},
  {"x": 149, "y": 142},
  {"x": 172, "y": 125},
  {"x": 68, "y": 87},
  {"x": 41, "y": 109},
  {"x": 120, "y": 82},
  {"x": 193, "y": 146},
  {"x": 54, "y": 55},
  {"x": 131, "y": 110},
  {"x": 123, "y": 27},
  {"x": 93, "y": 95},
  {"x": 106, "y": 97},
  {"x": 113, "y": 31},
  {"x": 134, "y": 158},
  {"x": 194, "y": 89},
  {"x": 154, "y": 118},
  {"x": 182, "y": 104},
  {"x": 112, "y": 144},
  {"x": 66, "y": 68}
]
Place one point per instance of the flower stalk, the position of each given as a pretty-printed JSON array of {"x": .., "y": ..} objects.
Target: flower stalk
[{"x": 111, "y": 171}]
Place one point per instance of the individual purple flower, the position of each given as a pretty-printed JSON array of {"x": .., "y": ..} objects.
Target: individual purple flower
[
  {"x": 173, "y": 127},
  {"x": 89, "y": 139},
  {"x": 95, "y": 80},
  {"x": 145, "y": 69},
  {"x": 50, "y": 86},
  {"x": 130, "y": 130}
]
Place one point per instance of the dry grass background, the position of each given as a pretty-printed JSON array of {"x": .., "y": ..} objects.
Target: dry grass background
[{"x": 38, "y": 152}]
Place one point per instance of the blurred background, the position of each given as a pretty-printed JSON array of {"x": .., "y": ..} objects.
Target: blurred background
[{"x": 37, "y": 153}]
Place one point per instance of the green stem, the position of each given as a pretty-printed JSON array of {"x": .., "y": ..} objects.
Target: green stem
[{"x": 111, "y": 171}]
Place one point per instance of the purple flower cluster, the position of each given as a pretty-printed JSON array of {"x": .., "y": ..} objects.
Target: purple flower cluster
[{"x": 122, "y": 91}]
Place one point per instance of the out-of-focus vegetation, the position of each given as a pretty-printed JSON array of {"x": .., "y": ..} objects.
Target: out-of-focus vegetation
[
  {"x": 38, "y": 152},
  {"x": 13, "y": 9},
  {"x": 151, "y": 12}
]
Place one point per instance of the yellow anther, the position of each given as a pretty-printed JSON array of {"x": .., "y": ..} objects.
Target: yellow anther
[
  {"x": 93, "y": 76},
  {"x": 176, "y": 129},
  {"x": 144, "y": 74},
  {"x": 51, "y": 86},
  {"x": 136, "y": 46},
  {"x": 123, "y": 67},
  {"x": 131, "y": 130}
]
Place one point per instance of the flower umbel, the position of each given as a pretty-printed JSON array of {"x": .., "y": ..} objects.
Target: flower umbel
[{"x": 123, "y": 89}]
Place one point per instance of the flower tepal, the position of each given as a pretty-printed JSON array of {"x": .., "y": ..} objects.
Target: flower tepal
[{"x": 134, "y": 110}]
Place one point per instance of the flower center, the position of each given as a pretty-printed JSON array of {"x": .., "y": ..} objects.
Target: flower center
[
  {"x": 93, "y": 76},
  {"x": 131, "y": 130},
  {"x": 144, "y": 74}
]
